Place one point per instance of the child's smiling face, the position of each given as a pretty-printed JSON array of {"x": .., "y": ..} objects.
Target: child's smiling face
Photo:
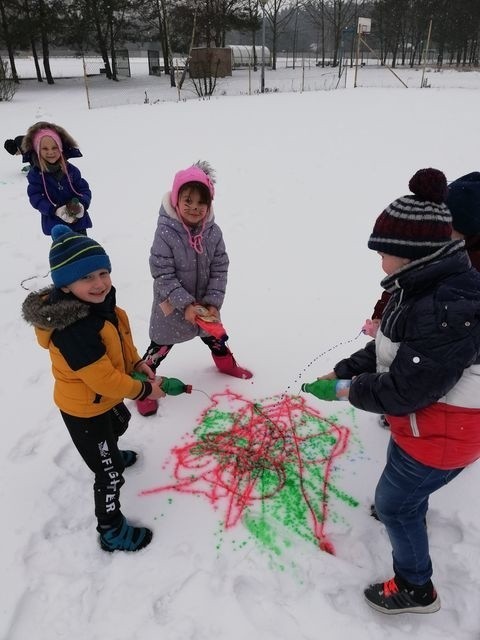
[
  {"x": 191, "y": 207},
  {"x": 49, "y": 150},
  {"x": 94, "y": 287}
]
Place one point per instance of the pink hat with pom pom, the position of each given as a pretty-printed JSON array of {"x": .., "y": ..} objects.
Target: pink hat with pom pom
[
  {"x": 198, "y": 172},
  {"x": 415, "y": 226}
]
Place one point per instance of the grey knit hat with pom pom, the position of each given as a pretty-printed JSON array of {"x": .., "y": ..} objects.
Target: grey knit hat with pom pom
[{"x": 415, "y": 226}]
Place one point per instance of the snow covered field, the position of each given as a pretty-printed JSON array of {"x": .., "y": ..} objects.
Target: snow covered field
[{"x": 301, "y": 179}]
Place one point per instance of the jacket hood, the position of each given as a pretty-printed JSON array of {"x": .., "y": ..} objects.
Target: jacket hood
[
  {"x": 70, "y": 146},
  {"x": 50, "y": 309},
  {"x": 168, "y": 210}
]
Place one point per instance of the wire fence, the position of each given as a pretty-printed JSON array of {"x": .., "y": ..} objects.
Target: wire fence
[{"x": 141, "y": 78}]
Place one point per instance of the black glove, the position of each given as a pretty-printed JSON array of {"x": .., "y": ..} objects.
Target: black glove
[{"x": 11, "y": 147}]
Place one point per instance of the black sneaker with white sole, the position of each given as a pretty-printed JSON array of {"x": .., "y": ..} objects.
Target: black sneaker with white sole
[{"x": 398, "y": 596}]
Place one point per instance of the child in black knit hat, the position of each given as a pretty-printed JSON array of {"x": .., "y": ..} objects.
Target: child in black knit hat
[
  {"x": 93, "y": 357},
  {"x": 422, "y": 371},
  {"x": 14, "y": 147}
]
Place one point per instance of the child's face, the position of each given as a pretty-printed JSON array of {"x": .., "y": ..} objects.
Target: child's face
[
  {"x": 390, "y": 264},
  {"x": 94, "y": 287},
  {"x": 49, "y": 150},
  {"x": 192, "y": 208}
]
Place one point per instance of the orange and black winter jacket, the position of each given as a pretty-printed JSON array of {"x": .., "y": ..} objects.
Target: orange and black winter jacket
[{"x": 91, "y": 349}]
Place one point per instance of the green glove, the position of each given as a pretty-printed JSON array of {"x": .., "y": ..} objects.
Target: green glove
[{"x": 327, "y": 389}]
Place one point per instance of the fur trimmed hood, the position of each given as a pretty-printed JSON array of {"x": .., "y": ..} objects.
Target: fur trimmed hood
[
  {"x": 70, "y": 146},
  {"x": 27, "y": 142},
  {"x": 48, "y": 309}
]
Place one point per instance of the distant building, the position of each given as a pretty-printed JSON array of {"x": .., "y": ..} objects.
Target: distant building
[
  {"x": 210, "y": 62},
  {"x": 242, "y": 55}
]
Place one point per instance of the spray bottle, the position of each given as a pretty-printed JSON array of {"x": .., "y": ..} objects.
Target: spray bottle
[
  {"x": 73, "y": 207},
  {"x": 328, "y": 389},
  {"x": 171, "y": 386}
]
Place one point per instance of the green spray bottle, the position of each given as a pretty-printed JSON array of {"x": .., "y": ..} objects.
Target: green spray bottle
[
  {"x": 73, "y": 207},
  {"x": 328, "y": 389},
  {"x": 171, "y": 386}
]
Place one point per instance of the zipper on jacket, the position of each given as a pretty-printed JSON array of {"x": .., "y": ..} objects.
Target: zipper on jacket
[{"x": 414, "y": 425}]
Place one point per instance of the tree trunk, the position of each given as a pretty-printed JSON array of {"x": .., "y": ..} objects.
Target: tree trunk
[
  {"x": 167, "y": 41},
  {"x": 33, "y": 46},
  {"x": 46, "y": 59},
  {"x": 323, "y": 33},
  {"x": 113, "y": 55},
  {"x": 8, "y": 43},
  {"x": 102, "y": 45},
  {"x": 35, "y": 60},
  {"x": 192, "y": 40},
  {"x": 274, "y": 47},
  {"x": 44, "y": 41},
  {"x": 163, "y": 40}
]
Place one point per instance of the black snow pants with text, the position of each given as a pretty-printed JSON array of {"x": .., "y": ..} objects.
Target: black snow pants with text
[{"x": 96, "y": 440}]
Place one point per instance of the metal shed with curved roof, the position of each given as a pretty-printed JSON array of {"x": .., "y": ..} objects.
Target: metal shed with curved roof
[{"x": 242, "y": 55}]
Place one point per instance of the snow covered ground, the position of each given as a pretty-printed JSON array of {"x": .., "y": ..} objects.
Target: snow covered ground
[{"x": 301, "y": 179}]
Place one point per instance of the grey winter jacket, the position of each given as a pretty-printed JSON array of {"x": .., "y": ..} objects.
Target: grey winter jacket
[{"x": 181, "y": 276}]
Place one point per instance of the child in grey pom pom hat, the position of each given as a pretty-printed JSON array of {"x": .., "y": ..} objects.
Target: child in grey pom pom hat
[
  {"x": 93, "y": 356},
  {"x": 422, "y": 372},
  {"x": 189, "y": 266}
]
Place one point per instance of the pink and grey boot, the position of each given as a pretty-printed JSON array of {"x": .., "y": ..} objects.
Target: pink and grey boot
[{"x": 227, "y": 364}]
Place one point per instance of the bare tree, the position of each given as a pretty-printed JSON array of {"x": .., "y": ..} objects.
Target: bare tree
[
  {"x": 32, "y": 32},
  {"x": 279, "y": 13},
  {"x": 4, "y": 21},
  {"x": 316, "y": 11}
]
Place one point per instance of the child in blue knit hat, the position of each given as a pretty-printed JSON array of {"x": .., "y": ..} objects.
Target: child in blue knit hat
[{"x": 93, "y": 357}]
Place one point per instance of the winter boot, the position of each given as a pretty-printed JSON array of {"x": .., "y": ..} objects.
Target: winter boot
[
  {"x": 373, "y": 512},
  {"x": 227, "y": 364},
  {"x": 383, "y": 422},
  {"x": 398, "y": 596},
  {"x": 124, "y": 537},
  {"x": 147, "y": 407},
  {"x": 129, "y": 457}
]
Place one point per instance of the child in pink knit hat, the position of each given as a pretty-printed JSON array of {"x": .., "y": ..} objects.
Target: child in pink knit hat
[
  {"x": 189, "y": 265},
  {"x": 55, "y": 186}
]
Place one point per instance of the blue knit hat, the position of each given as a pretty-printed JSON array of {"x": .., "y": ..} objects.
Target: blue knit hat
[
  {"x": 73, "y": 256},
  {"x": 464, "y": 203}
]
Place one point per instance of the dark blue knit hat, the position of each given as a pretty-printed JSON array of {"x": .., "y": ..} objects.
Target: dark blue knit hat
[
  {"x": 73, "y": 256},
  {"x": 464, "y": 203}
]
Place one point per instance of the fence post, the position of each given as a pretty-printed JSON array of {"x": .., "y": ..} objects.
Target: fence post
[
  {"x": 86, "y": 81},
  {"x": 426, "y": 52}
]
